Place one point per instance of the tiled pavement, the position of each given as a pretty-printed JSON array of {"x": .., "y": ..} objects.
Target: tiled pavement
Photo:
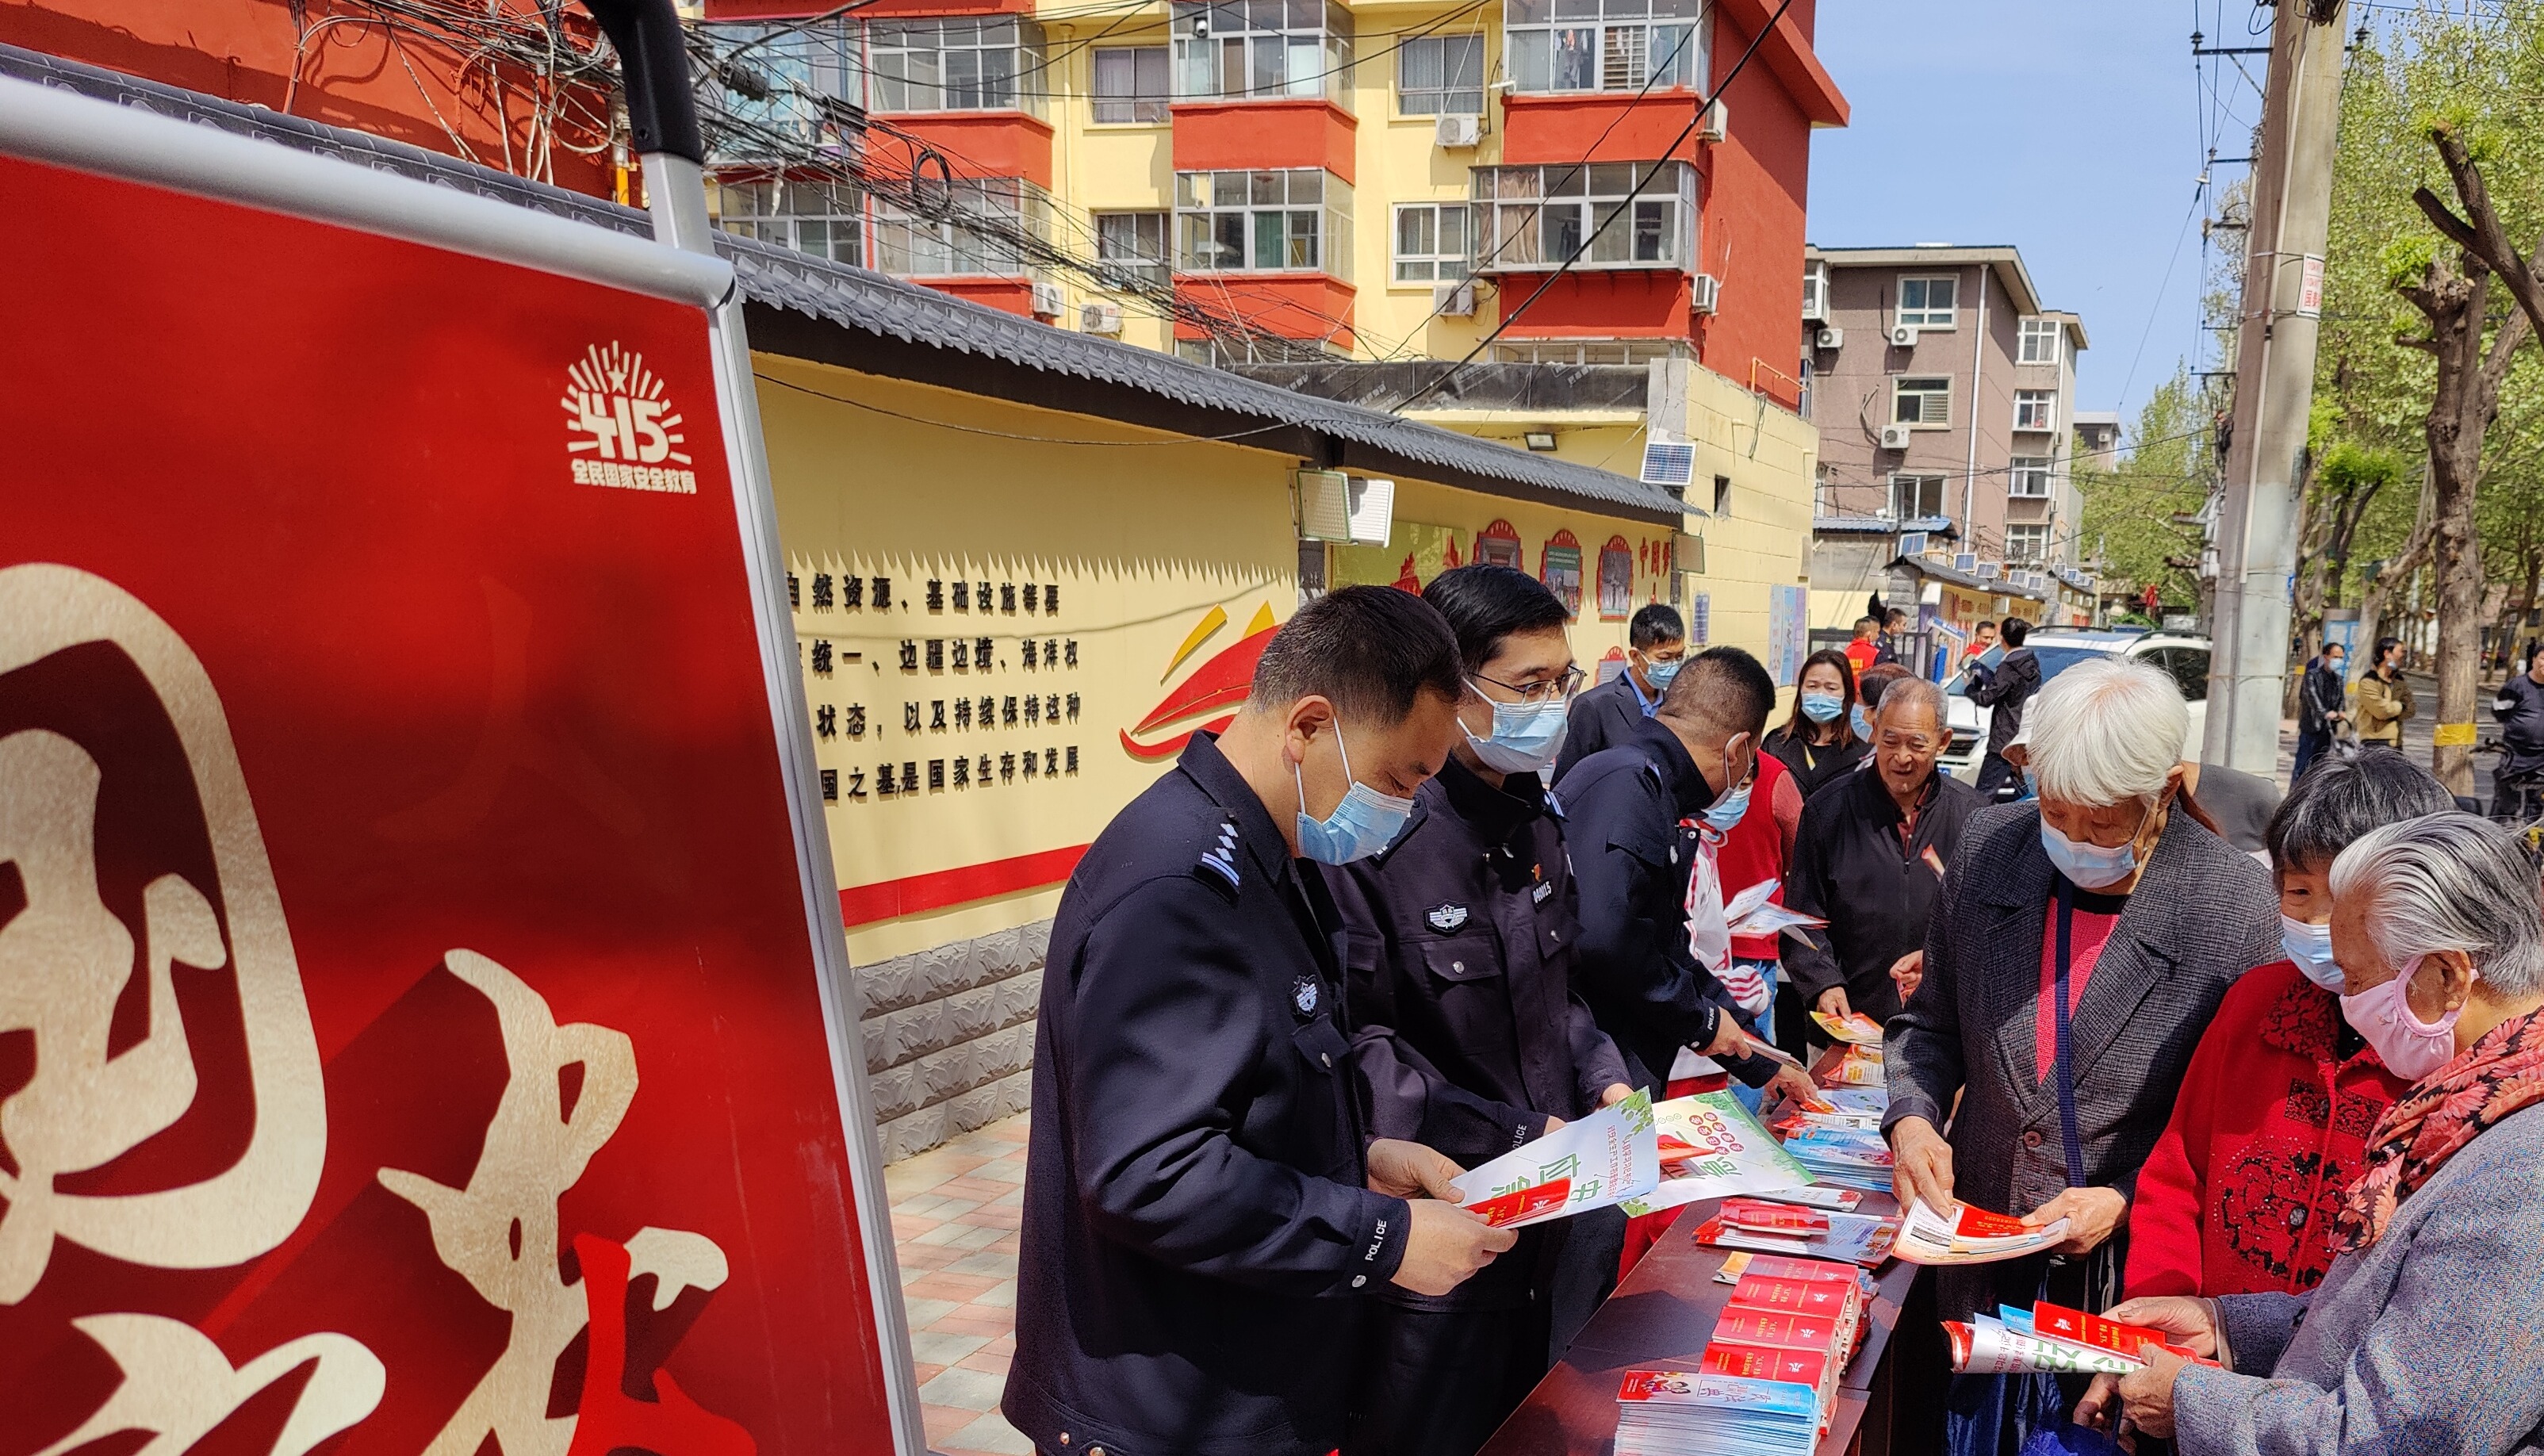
[{"x": 955, "y": 1212}]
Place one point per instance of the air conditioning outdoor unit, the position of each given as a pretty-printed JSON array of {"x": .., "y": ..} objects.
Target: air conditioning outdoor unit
[
  {"x": 1716, "y": 123},
  {"x": 1047, "y": 301},
  {"x": 1709, "y": 293},
  {"x": 1903, "y": 336},
  {"x": 1335, "y": 507},
  {"x": 1830, "y": 336},
  {"x": 1894, "y": 437},
  {"x": 1458, "y": 131},
  {"x": 1453, "y": 300},
  {"x": 1099, "y": 318}
]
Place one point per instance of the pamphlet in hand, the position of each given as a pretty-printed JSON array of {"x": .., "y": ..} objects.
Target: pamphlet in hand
[
  {"x": 1607, "y": 1158},
  {"x": 1970, "y": 1235},
  {"x": 1750, "y": 913},
  {"x": 2056, "y": 1339},
  {"x": 1855, "y": 1028},
  {"x": 1710, "y": 1148}
]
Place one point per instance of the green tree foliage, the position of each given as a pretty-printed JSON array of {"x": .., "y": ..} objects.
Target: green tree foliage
[{"x": 2167, "y": 471}]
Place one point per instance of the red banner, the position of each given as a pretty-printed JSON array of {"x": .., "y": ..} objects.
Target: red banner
[{"x": 408, "y": 1030}]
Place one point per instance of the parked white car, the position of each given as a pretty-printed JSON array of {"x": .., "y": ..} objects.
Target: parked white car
[{"x": 2185, "y": 656}]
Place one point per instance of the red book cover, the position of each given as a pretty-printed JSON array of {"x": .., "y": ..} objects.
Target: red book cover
[
  {"x": 2080, "y": 1327},
  {"x": 1797, "y": 1296},
  {"x": 1977, "y": 1223},
  {"x": 1762, "y": 1362},
  {"x": 1772, "y": 1218},
  {"x": 1776, "y": 1329},
  {"x": 1510, "y": 1208}
]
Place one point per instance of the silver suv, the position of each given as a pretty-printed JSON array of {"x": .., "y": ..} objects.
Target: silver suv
[{"x": 2185, "y": 656}]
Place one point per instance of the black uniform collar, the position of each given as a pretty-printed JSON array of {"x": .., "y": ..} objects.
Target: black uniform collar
[
  {"x": 1205, "y": 765},
  {"x": 1685, "y": 782},
  {"x": 1495, "y": 813}
]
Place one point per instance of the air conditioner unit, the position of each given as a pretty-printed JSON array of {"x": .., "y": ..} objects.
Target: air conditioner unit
[
  {"x": 1830, "y": 336},
  {"x": 1967, "y": 561},
  {"x": 1335, "y": 507},
  {"x": 1716, "y": 123},
  {"x": 1458, "y": 131},
  {"x": 1453, "y": 300},
  {"x": 1709, "y": 293},
  {"x": 1894, "y": 437},
  {"x": 1047, "y": 301},
  {"x": 1903, "y": 336},
  {"x": 1099, "y": 318}
]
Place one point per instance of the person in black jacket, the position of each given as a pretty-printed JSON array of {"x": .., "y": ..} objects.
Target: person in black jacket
[
  {"x": 1206, "y": 1217},
  {"x": 1632, "y": 856},
  {"x": 2004, "y": 691},
  {"x": 2519, "y": 708},
  {"x": 1462, "y": 936},
  {"x": 1655, "y": 645},
  {"x": 2321, "y": 698},
  {"x": 1869, "y": 859}
]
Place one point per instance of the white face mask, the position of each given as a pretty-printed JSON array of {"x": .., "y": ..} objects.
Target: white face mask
[{"x": 2310, "y": 946}]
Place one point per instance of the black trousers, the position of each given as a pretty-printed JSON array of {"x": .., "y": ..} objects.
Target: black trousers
[{"x": 1994, "y": 773}]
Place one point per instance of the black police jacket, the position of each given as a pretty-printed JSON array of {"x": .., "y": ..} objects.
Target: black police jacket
[
  {"x": 1630, "y": 861},
  {"x": 1197, "y": 1235},
  {"x": 1600, "y": 718}
]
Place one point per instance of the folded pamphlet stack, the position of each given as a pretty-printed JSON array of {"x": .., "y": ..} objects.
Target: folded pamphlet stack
[
  {"x": 1790, "y": 1229},
  {"x": 1768, "y": 1381},
  {"x": 1970, "y": 1235},
  {"x": 2053, "y": 1338}
]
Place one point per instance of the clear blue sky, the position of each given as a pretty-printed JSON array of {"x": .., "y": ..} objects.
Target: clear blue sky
[{"x": 2073, "y": 131}]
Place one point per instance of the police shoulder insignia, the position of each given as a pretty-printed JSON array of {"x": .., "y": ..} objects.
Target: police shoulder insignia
[
  {"x": 1305, "y": 996},
  {"x": 1446, "y": 917},
  {"x": 1544, "y": 888},
  {"x": 1218, "y": 862}
]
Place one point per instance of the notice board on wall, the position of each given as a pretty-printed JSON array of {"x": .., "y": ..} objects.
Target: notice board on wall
[{"x": 409, "y": 1034}]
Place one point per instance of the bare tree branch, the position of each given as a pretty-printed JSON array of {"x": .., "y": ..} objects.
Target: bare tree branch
[
  {"x": 2487, "y": 238},
  {"x": 2457, "y": 230}
]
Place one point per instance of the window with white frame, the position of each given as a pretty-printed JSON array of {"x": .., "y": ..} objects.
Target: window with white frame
[
  {"x": 952, "y": 63},
  {"x": 2035, "y": 409},
  {"x": 1262, "y": 50},
  {"x": 1816, "y": 278},
  {"x": 976, "y": 227},
  {"x": 1605, "y": 45},
  {"x": 2031, "y": 475},
  {"x": 2041, "y": 341},
  {"x": 1440, "y": 75},
  {"x": 1430, "y": 242},
  {"x": 1531, "y": 217},
  {"x": 1916, "y": 497},
  {"x": 2027, "y": 545},
  {"x": 1928, "y": 302},
  {"x": 1921, "y": 400},
  {"x": 1131, "y": 83},
  {"x": 1132, "y": 246},
  {"x": 825, "y": 219},
  {"x": 1296, "y": 220}
]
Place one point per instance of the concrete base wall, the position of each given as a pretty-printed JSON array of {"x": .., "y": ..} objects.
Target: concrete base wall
[{"x": 949, "y": 1035}]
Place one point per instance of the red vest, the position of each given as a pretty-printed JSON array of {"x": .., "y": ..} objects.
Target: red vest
[{"x": 1755, "y": 850}]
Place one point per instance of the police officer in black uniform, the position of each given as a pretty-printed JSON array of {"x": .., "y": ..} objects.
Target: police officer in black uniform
[
  {"x": 1461, "y": 940},
  {"x": 1205, "y": 1222},
  {"x": 1631, "y": 859}
]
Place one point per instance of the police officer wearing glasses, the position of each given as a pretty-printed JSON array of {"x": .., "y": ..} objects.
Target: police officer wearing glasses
[
  {"x": 1208, "y": 1217},
  {"x": 1461, "y": 940}
]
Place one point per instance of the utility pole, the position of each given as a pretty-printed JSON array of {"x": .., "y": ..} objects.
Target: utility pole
[{"x": 2274, "y": 378}]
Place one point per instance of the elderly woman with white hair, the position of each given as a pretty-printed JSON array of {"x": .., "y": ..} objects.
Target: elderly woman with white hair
[
  {"x": 2421, "y": 1338},
  {"x": 2082, "y": 941}
]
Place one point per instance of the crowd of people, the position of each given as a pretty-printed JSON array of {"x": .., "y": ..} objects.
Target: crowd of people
[{"x": 1425, "y": 900}]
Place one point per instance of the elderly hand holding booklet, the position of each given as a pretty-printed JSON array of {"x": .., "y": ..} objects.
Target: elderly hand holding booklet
[{"x": 2054, "y": 1339}]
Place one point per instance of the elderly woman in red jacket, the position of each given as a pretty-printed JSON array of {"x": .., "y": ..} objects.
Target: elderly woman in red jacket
[{"x": 2275, "y": 1112}]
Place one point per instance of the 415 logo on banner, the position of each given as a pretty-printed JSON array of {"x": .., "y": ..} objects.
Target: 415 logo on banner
[{"x": 624, "y": 432}]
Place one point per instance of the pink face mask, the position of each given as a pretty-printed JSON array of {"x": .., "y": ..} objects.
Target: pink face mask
[{"x": 2409, "y": 1047}]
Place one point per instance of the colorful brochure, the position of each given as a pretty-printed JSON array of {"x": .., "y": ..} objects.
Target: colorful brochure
[
  {"x": 1691, "y": 1413},
  {"x": 1611, "y": 1156},
  {"x": 1855, "y": 1028},
  {"x": 1970, "y": 1235},
  {"x": 1857, "y": 1238},
  {"x": 1709, "y": 1146}
]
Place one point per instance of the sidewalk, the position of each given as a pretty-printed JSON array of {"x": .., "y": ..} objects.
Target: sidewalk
[{"x": 955, "y": 1212}]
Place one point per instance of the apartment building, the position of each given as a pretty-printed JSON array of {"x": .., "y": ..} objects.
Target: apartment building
[
  {"x": 1294, "y": 180},
  {"x": 1944, "y": 388}
]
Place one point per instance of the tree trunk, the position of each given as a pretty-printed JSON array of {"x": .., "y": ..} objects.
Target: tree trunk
[
  {"x": 2456, "y": 556},
  {"x": 2395, "y": 576}
]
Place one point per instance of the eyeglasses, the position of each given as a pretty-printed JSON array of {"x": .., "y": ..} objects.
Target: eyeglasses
[{"x": 1554, "y": 689}]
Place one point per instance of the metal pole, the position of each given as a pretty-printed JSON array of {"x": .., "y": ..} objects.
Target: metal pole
[
  {"x": 661, "y": 116},
  {"x": 2275, "y": 367}
]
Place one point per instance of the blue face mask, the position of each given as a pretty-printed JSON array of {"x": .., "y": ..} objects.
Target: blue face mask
[
  {"x": 1727, "y": 809},
  {"x": 1658, "y": 674},
  {"x": 1861, "y": 725},
  {"x": 2091, "y": 866},
  {"x": 1526, "y": 736},
  {"x": 2310, "y": 946},
  {"x": 1364, "y": 822},
  {"x": 1823, "y": 708}
]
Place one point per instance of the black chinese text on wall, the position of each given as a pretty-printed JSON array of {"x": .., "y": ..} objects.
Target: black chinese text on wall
[{"x": 917, "y": 662}]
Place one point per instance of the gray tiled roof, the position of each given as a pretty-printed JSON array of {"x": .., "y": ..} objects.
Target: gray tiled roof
[{"x": 889, "y": 308}]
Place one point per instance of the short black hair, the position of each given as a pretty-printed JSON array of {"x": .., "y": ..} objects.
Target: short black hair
[
  {"x": 1368, "y": 650},
  {"x": 2346, "y": 792},
  {"x": 2385, "y": 645},
  {"x": 2014, "y": 631},
  {"x": 1484, "y": 603},
  {"x": 1876, "y": 680},
  {"x": 1896, "y": 614},
  {"x": 1873, "y": 622},
  {"x": 1656, "y": 623},
  {"x": 1723, "y": 689}
]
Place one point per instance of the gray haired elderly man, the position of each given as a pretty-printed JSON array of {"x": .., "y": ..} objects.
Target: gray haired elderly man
[
  {"x": 2081, "y": 944},
  {"x": 2422, "y": 1336}
]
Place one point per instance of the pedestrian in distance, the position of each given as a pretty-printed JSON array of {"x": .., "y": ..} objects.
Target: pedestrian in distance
[
  {"x": 1462, "y": 936},
  {"x": 2384, "y": 697},
  {"x": 2517, "y": 781},
  {"x": 2008, "y": 688},
  {"x": 1817, "y": 743},
  {"x": 1866, "y": 649},
  {"x": 2322, "y": 697},
  {"x": 1656, "y": 648},
  {"x": 1207, "y": 1218}
]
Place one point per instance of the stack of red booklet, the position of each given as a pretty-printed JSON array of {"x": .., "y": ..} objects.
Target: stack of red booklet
[{"x": 1792, "y": 1320}]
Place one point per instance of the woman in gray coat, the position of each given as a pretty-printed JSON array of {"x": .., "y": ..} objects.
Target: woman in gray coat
[{"x": 2423, "y": 1338}]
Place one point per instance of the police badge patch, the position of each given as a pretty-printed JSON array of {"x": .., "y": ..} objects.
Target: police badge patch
[
  {"x": 1303, "y": 996},
  {"x": 1447, "y": 918}
]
